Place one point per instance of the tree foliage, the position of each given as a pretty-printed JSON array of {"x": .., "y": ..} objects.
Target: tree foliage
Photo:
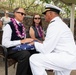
[{"x": 33, "y": 6}]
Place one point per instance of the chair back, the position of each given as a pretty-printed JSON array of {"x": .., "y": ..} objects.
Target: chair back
[
  {"x": 1, "y": 32},
  {"x": 1, "y": 49}
]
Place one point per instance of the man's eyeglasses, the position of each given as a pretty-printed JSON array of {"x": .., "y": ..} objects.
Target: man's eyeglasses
[
  {"x": 21, "y": 13},
  {"x": 37, "y": 18}
]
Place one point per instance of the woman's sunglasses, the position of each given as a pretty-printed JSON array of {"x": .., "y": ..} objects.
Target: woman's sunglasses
[
  {"x": 37, "y": 18},
  {"x": 21, "y": 13}
]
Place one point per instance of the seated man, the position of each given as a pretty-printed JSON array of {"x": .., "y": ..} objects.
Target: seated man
[
  {"x": 13, "y": 35},
  {"x": 58, "y": 50}
]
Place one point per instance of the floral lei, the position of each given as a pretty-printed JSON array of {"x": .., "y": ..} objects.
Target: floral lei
[
  {"x": 40, "y": 32},
  {"x": 16, "y": 28}
]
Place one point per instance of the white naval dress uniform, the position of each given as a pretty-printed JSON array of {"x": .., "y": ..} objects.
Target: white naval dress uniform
[{"x": 57, "y": 52}]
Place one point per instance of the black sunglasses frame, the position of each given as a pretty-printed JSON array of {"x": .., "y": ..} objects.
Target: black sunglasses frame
[
  {"x": 21, "y": 13},
  {"x": 37, "y": 18}
]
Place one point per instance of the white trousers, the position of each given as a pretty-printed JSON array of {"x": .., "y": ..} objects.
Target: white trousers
[{"x": 57, "y": 62}]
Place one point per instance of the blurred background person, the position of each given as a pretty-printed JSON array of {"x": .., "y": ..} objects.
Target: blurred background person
[
  {"x": 5, "y": 19},
  {"x": 36, "y": 30}
]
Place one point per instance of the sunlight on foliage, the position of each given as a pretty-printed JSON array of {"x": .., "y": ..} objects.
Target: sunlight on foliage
[{"x": 34, "y": 6}]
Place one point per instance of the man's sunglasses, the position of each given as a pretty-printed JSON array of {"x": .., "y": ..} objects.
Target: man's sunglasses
[
  {"x": 37, "y": 18},
  {"x": 21, "y": 13}
]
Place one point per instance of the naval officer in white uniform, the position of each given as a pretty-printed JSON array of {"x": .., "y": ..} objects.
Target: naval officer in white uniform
[{"x": 58, "y": 50}]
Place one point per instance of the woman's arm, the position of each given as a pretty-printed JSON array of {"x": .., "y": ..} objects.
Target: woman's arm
[
  {"x": 43, "y": 36},
  {"x": 1, "y": 24}
]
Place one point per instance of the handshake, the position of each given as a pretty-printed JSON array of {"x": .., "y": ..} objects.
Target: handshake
[
  {"x": 30, "y": 41},
  {"x": 27, "y": 40}
]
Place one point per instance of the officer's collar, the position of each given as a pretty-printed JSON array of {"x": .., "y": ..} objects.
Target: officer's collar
[{"x": 52, "y": 21}]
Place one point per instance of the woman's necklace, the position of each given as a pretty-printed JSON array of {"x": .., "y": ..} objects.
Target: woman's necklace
[{"x": 40, "y": 31}]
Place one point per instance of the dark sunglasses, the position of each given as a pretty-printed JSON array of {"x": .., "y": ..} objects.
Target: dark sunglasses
[
  {"x": 21, "y": 13},
  {"x": 37, "y": 18}
]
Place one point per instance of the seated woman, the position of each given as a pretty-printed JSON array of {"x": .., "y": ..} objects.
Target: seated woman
[{"x": 36, "y": 30}]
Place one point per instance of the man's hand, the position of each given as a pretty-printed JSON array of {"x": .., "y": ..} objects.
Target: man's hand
[
  {"x": 27, "y": 40},
  {"x": 32, "y": 43}
]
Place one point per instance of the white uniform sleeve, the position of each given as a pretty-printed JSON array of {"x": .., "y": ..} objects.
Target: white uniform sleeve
[
  {"x": 6, "y": 39},
  {"x": 52, "y": 36}
]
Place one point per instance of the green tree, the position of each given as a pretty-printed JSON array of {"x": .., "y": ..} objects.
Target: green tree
[
  {"x": 32, "y": 7},
  {"x": 11, "y": 2}
]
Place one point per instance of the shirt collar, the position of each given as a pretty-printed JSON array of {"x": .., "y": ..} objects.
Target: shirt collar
[
  {"x": 56, "y": 18},
  {"x": 17, "y": 21}
]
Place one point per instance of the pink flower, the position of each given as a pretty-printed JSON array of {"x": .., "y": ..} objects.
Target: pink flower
[{"x": 17, "y": 30}]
